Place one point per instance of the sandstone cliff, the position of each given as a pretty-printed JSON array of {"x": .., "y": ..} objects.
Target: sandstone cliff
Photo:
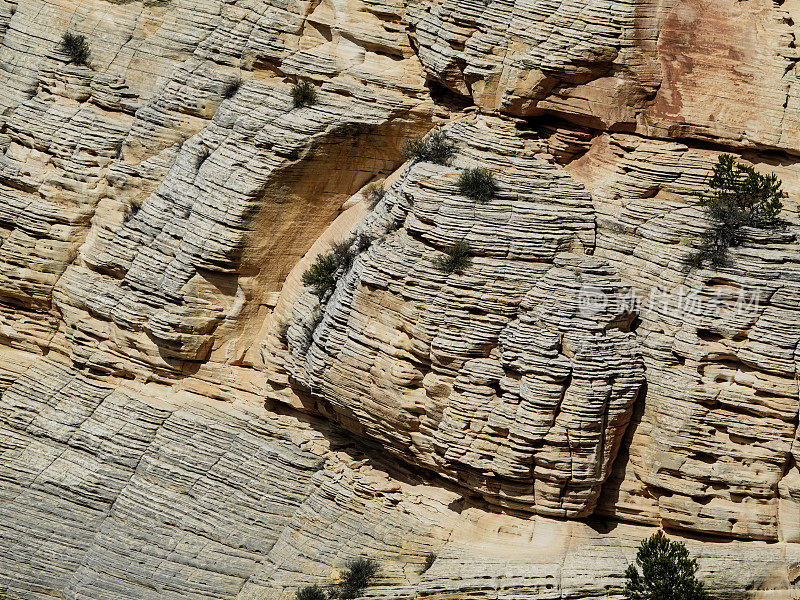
[{"x": 181, "y": 418}]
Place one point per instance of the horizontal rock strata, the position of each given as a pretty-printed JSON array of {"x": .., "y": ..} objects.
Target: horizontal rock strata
[{"x": 117, "y": 492}]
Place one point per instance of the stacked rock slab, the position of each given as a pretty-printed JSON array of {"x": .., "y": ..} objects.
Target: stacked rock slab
[
  {"x": 110, "y": 492},
  {"x": 714, "y": 447},
  {"x": 530, "y": 413},
  {"x": 130, "y": 197},
  {"x": 506, "y": 377},
  {"x": 722, "y": 71}
]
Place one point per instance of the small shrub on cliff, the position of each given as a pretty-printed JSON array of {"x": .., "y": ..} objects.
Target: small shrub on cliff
[
  {"x": 310, "y": 592},
  {"x": 414, "y": 148},
  {"x": 132, "y": 209},
  {"x": 342, "y": 254},
  {"x": 374, "y": 193},
  {"x": 362, "y": 242},
  {"x": 304, "y": 93},
  {"x": 739, "y": 197},
  {"x": 323, "y": 274},
  {"x": 456, "y": 258},
  {"x": 430, "y": 558},
  {"x": 436, "y": 148},
  {"x": 667, "y": 572},
  {"x": 356, "y": 577},
  {"x": 231, "y": 88},
  {"x": 76, "y": 46},
  {"x": 477, "y": 183}
]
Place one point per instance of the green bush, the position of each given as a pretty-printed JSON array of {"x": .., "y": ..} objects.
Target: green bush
[
  {"x": 310, "y": 592},
  {"x": 430, "y": 558},
  {"x": 477, "y": 183},
  {"x": 456, "y": 258},
  {"x": 356, "y": 577},
  {"x": 667, "y": 572},
  {"x": 304, "y": 93},
  {"x": 414, "y": 148},
  {"x": 341, "y": 252},
  {"x": 739, "y": 197},
  {"x": 362, "y": 242},
  {"x": 76, "y": 46},
  {"x": 321, "y": 275},
  {"x": 326, "y": 269},
  {"x": 436, "y": 148}
]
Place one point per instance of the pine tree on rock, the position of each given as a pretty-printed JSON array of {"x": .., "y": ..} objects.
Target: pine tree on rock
[{"x": 667, "y": 572}]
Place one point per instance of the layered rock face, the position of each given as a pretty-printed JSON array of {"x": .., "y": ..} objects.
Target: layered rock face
[
  {"x": 500, "y": 377},
  {"x": 109, "y": 493},
  {"x": 518, "y": 378},
  {"x": 181, "y": 418}
]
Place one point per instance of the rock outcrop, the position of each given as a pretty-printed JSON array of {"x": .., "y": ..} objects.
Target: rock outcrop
[
  {"x": 506, "y": 377},
  {"x": 518, "y": 377},
  {"x": 110, "y": 493},
  {"x": 181, "y": 418}
]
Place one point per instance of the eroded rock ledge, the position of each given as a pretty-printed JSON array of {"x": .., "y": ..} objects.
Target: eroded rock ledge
[
  {"x": 518, "y": 377},
  {"x": 135, "y": 492}
]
